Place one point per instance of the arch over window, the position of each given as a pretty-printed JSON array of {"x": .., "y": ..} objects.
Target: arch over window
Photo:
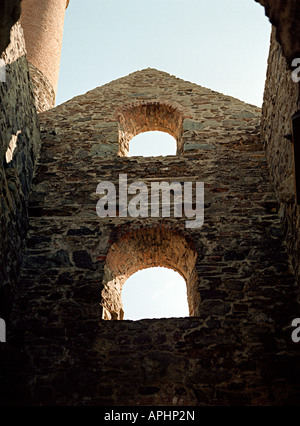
[
  {"x": 146, "y": 117},
  {"x": 144, "y": 248},
  {"x": 152, "y": 144},
  {"x": 155, "y": 293}
]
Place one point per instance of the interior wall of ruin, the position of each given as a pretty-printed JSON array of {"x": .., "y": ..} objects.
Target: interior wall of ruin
[
  {"x": 281, "y": 102},
  {"x": 238, "y": 348},
  {"x": 237, "y": 345},
  {"x": 19, "y": 150}
]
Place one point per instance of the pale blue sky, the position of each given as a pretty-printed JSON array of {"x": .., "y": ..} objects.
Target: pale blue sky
[
  {"x": 155, "y": 293},
  {"x": 219, "y": 44}
]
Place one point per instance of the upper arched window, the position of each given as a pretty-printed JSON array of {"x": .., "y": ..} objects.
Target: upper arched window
[
  {"x": 152, "y": 144},
  {"x": 149, "y": 117}
]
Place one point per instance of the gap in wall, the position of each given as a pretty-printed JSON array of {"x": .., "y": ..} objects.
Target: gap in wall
[
  {"x": 155, "y": 293},
  {"x": 152, "y": 144}
]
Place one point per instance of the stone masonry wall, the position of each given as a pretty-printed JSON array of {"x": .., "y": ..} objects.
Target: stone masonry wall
[
  {"x": 236, "y": 347},
  {"x": 42, "y": 89},
  {"x": 284, "y": 15},
  {"x": 281, "y": 101},
  {"x": 19, "y": 149}
]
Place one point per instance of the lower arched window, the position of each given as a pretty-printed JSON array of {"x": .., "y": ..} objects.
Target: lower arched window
[
  {"x": 155, "y": 293},
  {"x": 147, "y": 248}
]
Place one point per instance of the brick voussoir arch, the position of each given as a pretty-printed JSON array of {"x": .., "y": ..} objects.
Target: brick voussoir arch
[
  {"x": 149, "y": 115},
  {"x": 144, "y": 248}
]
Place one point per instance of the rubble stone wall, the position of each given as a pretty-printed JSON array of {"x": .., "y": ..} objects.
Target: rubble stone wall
[
  {"x": 236, "y": 346},
  {"x": 281, "y": 101},
  {"x": 19, "y": 150}
]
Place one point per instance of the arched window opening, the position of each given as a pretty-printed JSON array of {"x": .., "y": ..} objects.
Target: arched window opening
[
  {"x": 155, "y": 293},
  {"x": 136, "y": 119},
  {"x": 147, "y": 248},
  {"x": 152, "y": 144}
]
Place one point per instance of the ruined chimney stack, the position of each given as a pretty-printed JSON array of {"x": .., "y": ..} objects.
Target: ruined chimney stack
[{"x": 43, "y": 23}]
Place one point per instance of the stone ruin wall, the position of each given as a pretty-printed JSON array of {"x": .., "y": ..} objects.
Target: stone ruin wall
[
  {"x": 236, "y": 348},
  {"x": 281, "y": 102},
  {"x": 19, "y": 149},
  {"x": 284, "y": 15}
]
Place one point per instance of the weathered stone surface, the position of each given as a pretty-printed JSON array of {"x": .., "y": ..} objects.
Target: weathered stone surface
[
  {"x": 43, "y": 91},
  {"x": 281, "y": 101},
  {"x": 235, "y": 348},
  {"x": 82, "y": 259},
  {"x": 198, "y": 146},
  {"x": 236, "y": 265},
  {"x": 19, "y": 150},
  {"x": 284, "y": 15},
  {"x": 180, "y": 110}
]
